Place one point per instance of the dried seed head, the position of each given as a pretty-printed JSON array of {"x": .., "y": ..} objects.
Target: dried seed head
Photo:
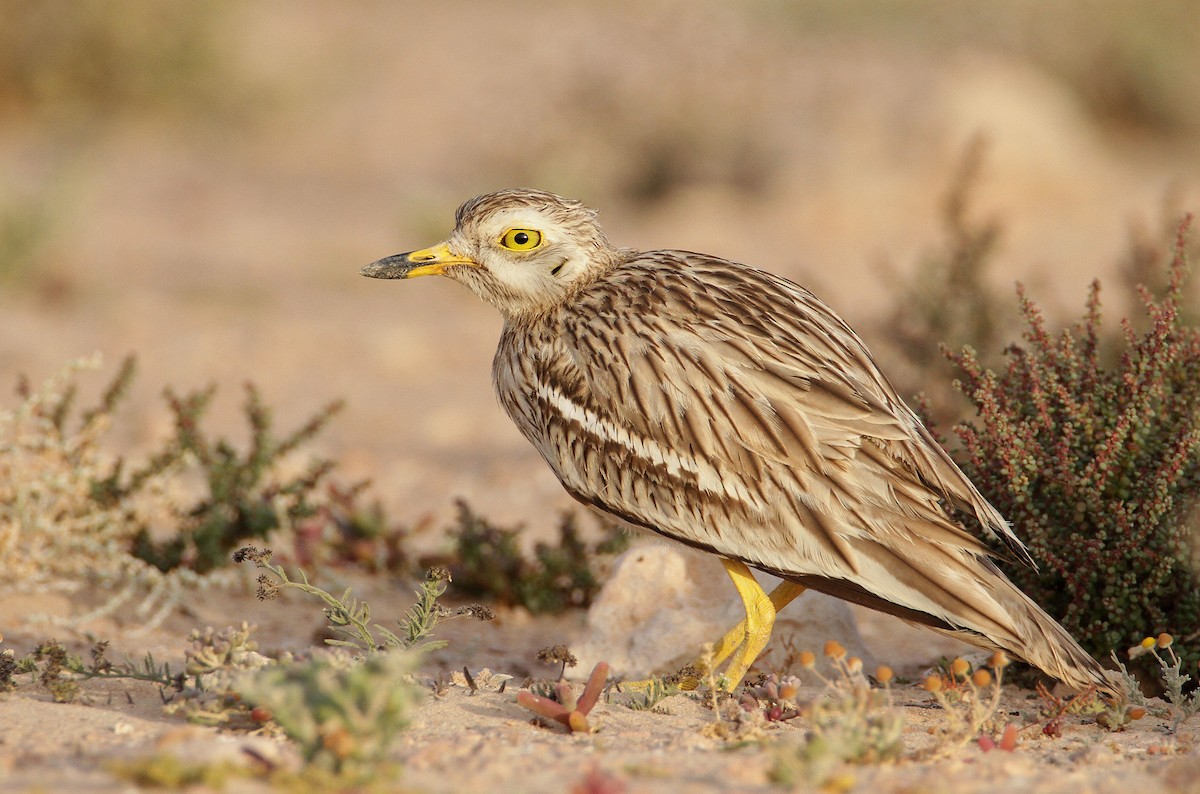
[
  {"x": 252, "y": 554},
  {"x": 933, "y": 683},
  {"x": 884, "y": 674},
  {"x": 960, "y": 667},
  {"x": 1164, "y": 640},
  {"x": 834, "y": 650},
  {"x": 808, "y": 660},
  {"x": 268, "y": 588},
  {"x": 999, "y": 660},
  {"x": 477, "y": 611},
  {"x": 854, "y": 664},
  {"x": 981, "y": 678},
  {"x": 557, "y": 654}
]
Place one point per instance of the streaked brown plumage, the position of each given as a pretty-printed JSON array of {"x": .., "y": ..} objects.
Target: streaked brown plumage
[{"x": 731, "y": 410}]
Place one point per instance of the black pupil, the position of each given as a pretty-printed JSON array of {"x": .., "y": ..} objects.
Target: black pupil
[{"x": 520, "y": 238}]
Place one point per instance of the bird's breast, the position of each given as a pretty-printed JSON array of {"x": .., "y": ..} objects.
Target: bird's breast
[{"x": 599, "y": 456}]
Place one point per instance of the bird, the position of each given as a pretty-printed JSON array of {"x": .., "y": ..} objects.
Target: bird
[{"x": 731, "y": 410}]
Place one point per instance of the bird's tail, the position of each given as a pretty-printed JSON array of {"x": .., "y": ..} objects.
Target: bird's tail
[
  {"x": 1040, "y": 640},
  {"x": 978, "y": 604}
]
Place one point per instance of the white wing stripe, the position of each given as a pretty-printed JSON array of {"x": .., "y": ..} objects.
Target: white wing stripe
[{"x": 706, "y": 476}]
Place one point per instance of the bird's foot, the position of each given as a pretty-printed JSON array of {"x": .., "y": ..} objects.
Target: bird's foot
[{"x": 743, "y": 643}]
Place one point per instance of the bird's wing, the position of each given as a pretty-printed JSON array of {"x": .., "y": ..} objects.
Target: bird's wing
[{"x": 771, "y": 431}]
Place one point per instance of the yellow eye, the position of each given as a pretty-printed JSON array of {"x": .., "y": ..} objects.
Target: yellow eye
[{"x": 521, "y": 239}]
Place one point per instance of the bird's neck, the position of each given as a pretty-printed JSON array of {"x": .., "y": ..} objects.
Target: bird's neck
[{"x": 525, "y": 314}]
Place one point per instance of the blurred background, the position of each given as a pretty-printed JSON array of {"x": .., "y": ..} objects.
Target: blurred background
[{"x": 199, "y": 182}]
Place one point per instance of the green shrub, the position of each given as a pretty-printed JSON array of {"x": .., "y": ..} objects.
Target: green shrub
[
  {"x": 70, "y": 513},
  {"x": 52, "y": 531},
  {"x": 488, "y": 563},
  {"x": 246, "y": 498},
  {"x": 1098, "y": 466}
]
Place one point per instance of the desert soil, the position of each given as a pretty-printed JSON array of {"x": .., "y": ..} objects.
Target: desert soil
[{"x": 484, "y": 741}]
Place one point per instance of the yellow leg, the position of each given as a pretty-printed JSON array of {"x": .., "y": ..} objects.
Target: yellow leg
[
  {"x": 751, "y": 635},
  {"x": 784, "y": 593},
  {"x": 756, "y": 603}
]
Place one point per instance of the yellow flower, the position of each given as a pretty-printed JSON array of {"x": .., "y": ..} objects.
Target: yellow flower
[{"x": 834, "y": 649}]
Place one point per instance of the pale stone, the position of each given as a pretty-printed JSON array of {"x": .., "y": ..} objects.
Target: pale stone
[{"x": 663, "y": 602}]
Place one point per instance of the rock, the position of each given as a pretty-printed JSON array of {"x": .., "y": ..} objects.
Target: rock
[{"x": 662, "y": 602}]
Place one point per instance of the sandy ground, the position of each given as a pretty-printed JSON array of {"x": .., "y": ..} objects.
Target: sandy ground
[
  {"x": 484, "y": 741},
  {"x": 224, "y": 246}
]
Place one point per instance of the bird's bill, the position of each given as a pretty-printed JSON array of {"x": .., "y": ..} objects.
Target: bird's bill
[{"x": 426, "y": 262}]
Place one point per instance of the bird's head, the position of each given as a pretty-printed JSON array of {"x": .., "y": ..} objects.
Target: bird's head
[{"x": 523, "y": 251}]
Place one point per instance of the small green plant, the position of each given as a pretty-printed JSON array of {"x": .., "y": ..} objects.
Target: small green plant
[
  {"x": 61, "y": 672},
  {"x": 655, "y": 692},
  {"x": 970, "y": 699},
  {"x": 8, "y": 670},
  {"x": 343, "y": 716},
  {"x": 214, "y": 662},
  {"x": 203, "y": 691},
  {"x": 489, "y": 563},
  {"x": 52, "y": 662},
  {"x": 1112, "y": 714},
  {"x": 1181, "y": 707},
  {"x": 351, "y": 618},
  {"x": 851, "y": 722},
  {"x": 1098, "y": 466}
]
